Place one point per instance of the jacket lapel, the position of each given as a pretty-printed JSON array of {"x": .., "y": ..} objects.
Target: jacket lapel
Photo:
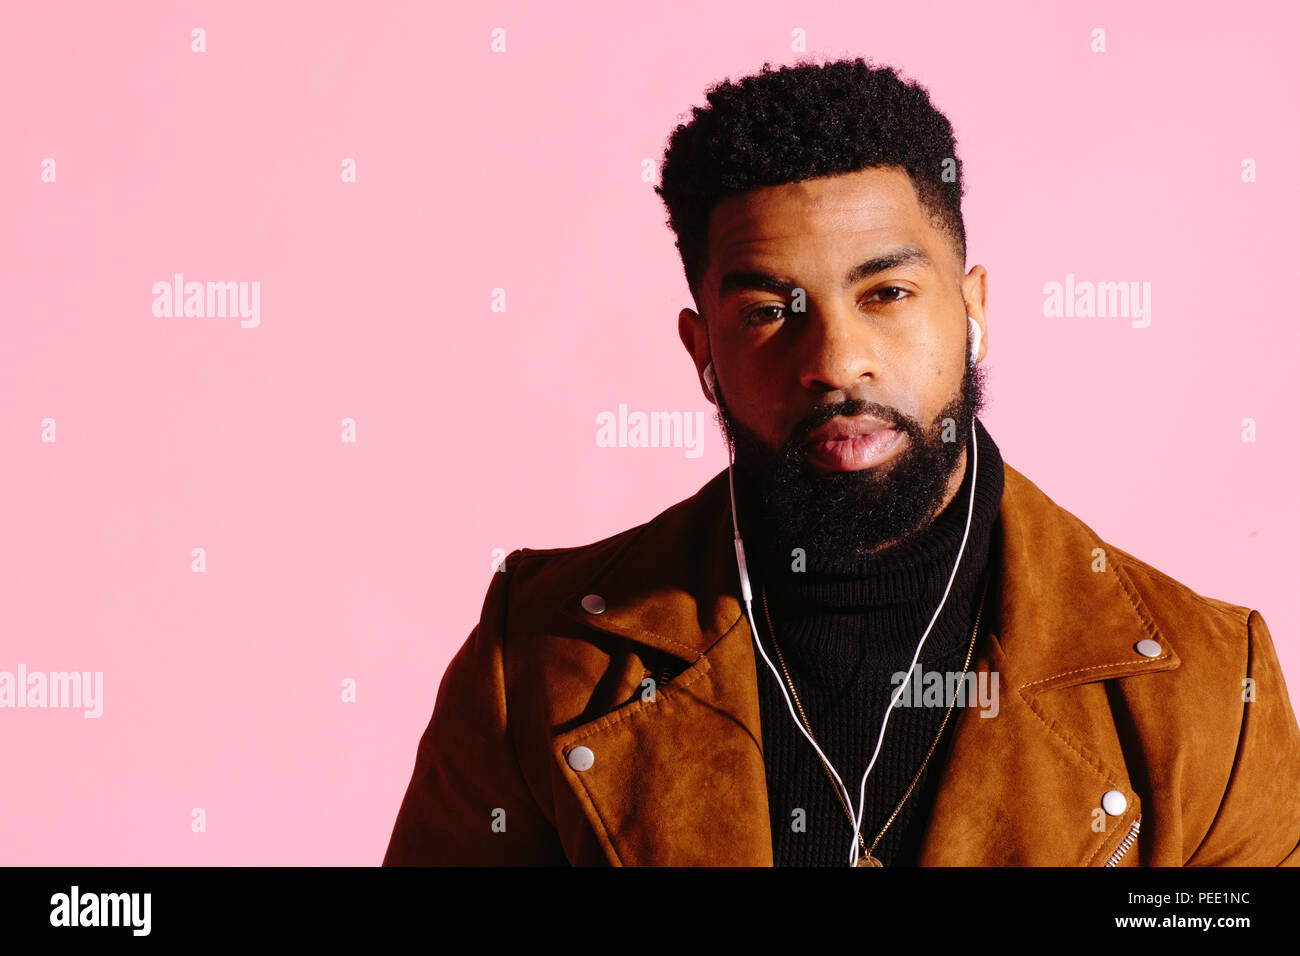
[
  {"x": 1025, "y": 787},
  {"x": 680, "y": 780}
]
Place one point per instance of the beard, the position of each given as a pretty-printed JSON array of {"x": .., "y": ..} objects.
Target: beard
[{"x": 840, "y": 517}]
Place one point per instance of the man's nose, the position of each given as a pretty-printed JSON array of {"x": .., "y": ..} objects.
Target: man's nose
[{"x": 838, "y": 351}]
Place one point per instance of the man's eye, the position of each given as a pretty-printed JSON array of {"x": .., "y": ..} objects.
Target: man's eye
[
  {"x": 757, "y": 316},
  {"x": 893, "y": 288},
  {"x": 763, "y": 314}
]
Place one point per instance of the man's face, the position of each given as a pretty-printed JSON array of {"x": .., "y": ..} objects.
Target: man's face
[{"x": 835, "y": 305}]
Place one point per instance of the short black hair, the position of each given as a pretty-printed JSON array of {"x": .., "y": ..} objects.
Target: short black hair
[{"x": 801, "y": 122}]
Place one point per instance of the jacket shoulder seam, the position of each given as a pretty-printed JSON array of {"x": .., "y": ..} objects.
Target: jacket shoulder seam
[
  {"x": 610, "y": 539},
  {"x": 1238, "y": 613}
]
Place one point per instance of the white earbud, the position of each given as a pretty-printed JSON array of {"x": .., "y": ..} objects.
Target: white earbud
[{"x": 711, "y": 380}]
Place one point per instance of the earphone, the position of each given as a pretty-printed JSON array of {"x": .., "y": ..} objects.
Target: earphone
[{"x": 747, "y": 594}]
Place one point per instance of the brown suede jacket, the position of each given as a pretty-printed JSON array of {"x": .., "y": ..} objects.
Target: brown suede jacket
[{"x": 605, "y": 711}]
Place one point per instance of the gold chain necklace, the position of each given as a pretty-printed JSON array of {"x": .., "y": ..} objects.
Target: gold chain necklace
[{"x": 867, "y": 859}]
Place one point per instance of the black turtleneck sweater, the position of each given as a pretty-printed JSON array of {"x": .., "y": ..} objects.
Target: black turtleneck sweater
[{"x": 844, "y": 631}]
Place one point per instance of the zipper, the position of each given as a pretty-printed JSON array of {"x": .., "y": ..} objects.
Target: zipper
[{"x": 1128, "y": 842}]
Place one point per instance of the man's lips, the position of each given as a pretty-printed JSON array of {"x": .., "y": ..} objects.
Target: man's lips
[
  {"x": 851, "y": 444},
  {"x": 838, "y": 428}
]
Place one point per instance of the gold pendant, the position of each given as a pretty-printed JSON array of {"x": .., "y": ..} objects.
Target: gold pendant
[{"x": 868, "y": 860}]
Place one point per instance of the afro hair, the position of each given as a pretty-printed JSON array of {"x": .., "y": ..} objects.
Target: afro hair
[{"x": 801, "y": 122}]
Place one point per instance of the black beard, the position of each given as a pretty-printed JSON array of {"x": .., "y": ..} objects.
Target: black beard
[{"x": 840, "y": 517}]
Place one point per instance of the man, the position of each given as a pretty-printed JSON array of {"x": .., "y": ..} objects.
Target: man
[{"x": 915, "y": 656}]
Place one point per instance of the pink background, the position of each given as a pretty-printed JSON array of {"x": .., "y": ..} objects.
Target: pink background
[{"x": 476, "y": 429}]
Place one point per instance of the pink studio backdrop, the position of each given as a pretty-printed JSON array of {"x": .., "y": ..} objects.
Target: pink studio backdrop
[{"x": 329, "y": 560}]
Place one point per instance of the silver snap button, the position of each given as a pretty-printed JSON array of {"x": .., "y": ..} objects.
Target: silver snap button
[
  {"x": 1114, "y": 802},
  {"x": 581, "y": 758},
  {"x": 593, "y": 604},
  {"x": 1148, "y": 648}
]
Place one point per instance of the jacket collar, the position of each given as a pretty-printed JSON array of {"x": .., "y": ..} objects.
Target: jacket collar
[{"x": 1067, "y": 615}]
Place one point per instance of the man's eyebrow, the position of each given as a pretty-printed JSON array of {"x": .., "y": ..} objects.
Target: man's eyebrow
[{"x": 737, "y": 280}]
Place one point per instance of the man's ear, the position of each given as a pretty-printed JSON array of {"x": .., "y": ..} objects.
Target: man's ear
[
  {"x": 694, "y": 333},
  {"x": 975, "y": 291}
]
